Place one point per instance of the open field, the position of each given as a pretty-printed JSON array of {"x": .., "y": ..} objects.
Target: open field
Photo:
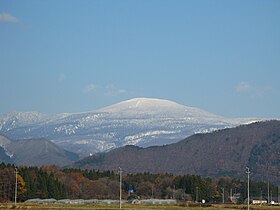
[{"x": 32, "y": 206}]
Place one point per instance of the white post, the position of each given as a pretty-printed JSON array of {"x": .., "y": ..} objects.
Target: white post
[
  {"x": 248, "y": 172},
  {"x": 16, "y": 172},
  {"x": 120, "y": 171}
]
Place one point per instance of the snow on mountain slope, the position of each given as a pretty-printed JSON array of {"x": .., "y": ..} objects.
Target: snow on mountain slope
[
  {"x": 140, "y": 121},
  {"x": 16, "y": 119}
]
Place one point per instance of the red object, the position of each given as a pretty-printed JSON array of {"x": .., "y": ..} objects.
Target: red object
[{"x": 228, "y": 203}]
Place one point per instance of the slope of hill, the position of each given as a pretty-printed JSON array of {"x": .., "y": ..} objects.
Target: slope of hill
[
  {"x": 40, "y": 152},
  {"x": 5, "y": 155},
  {"x": 34, "y": 152},
  {"x": 141, "y": 121},
  {"x": 224, "y": 152}
]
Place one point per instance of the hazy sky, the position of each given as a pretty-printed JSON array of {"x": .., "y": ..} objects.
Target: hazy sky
[{"x": 74, "y": 56}]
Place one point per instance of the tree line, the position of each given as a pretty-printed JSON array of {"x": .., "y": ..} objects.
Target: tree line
[{"x": 53, "y": 182}]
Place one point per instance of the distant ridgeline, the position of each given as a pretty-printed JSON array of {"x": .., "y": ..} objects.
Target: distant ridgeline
[
  {"x": 141, "y": 121},
  {"x": 224, "y": 152},
  {"x": 52, "y": 182},
  {"x": 34, "y": 152}
]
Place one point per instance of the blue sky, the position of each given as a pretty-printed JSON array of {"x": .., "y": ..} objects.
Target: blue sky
[{"x": 74, "y": 56}]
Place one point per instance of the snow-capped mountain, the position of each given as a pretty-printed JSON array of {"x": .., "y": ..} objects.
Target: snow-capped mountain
[
  {"x": 140, "y": 121},
  {"x": 13, "y": 120}
]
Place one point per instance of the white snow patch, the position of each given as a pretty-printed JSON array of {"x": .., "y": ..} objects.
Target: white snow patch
[{"x": 137, "y": 138}]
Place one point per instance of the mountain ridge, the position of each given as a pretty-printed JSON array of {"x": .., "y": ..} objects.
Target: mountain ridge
[
  {"x": 139, "y": 121},
  {"x": 34, "y": 152},
  {"x": 224, "y": 152}
]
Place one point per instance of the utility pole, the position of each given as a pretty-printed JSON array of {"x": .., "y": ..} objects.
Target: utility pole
[
  {"x": 196, "y": 194},
  {"x": 120, "y": 171},
  {"x": 16, "y": 172},
  {"x": 248, "y": 173},
  {"x": 261, "y": 197},
  {"x": 223, "y": 200},
  {"x": 268, "y": 192},
  {"x": 278, "y": 195}
]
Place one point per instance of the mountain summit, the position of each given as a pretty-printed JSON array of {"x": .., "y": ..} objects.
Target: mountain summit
[
  {"x": 141, "y": 121},
  {"x": 154, "y": 106},
  {"x": 159, "y": 107},
  {"x": 144, "y": 104}
]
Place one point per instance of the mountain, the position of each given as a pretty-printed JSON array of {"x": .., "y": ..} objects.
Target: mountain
[
  {"x": 13, "y": 120},
  {"x": 34, "y": 152},
  {"x": 141, "y": 121},
  {"x": 5, "y": 155},
  {"x": 224, "y": 152}
]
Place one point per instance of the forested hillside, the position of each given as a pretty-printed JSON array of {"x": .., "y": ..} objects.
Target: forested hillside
[
  {"x": 221, "y": 153},
  {"x": 52, "y": 182}
]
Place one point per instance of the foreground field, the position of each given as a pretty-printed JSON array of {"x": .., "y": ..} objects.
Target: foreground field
[{"x": 31, "y": 206}]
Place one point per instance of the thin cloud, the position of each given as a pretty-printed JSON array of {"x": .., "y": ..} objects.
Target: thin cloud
[
  {"x": 91, "y": 88},
  {"x": 263, "y": 91},
  {"x": 109, "y": 90},
  {"x": 253, "y": 91},
  {"x": 244, "y": 87},
  {"x": 113, "y": 91},
  {"x": 61, "y": 77},
  {"x": 8, "y": 18}
]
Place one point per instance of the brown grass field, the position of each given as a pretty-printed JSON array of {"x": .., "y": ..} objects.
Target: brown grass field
[{"x": 32, "y": 206}]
